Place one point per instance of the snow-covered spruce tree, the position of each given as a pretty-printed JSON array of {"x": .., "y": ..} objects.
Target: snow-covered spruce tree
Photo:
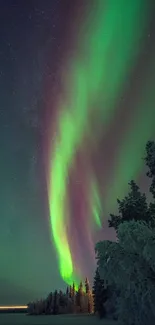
[
  {"x": 133, "y": 206},
  {"x": 129, "y": 264}
]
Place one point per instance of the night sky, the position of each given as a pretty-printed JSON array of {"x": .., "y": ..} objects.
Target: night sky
[{"x": 77, "y": 105}]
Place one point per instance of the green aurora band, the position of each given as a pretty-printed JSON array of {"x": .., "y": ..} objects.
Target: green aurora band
[
  {"x": 96, "y": 204},
  {"x": 108, "y": 46},
  {"x": 130, "y": 158}
]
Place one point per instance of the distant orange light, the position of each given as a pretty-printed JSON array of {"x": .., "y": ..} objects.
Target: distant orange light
[{"x": 13, "y": 307}]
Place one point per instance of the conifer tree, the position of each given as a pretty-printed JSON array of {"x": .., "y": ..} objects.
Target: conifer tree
[
  {"x": 90, "y": 302},
  {"x": 81, "y": 287},
  {"x": 70, "y": 291},
  {"x": 74, "y": 297},
  {"x": 77, "y": 299},
  {"x": 62, "y": 300},
  {"x": 67, "y": 292},
  {"x": 87, "y": 285},
  {"x": 99, "y": 295},
  {"x": 49, "y": 302},
  {"x": 80, "y": 295},
  {"x": 55, "y": 303},
  {"x": 73, "y": 290},
  {"x": 132, "y": 207},
  {"x": 150, "y": 163}
]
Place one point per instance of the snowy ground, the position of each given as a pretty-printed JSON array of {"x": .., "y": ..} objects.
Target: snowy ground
[{"x": 22, "y": 319}]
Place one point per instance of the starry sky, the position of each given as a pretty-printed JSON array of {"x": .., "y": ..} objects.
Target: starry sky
[{"x": 44, "y": 49}]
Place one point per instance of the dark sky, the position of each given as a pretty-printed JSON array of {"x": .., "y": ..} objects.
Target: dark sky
[
  {"x": 35, "y": 38},
  {"x": 32, "y": 34}
]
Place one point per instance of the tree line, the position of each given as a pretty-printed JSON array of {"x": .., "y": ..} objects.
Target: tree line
[{"x": 69, "y": 302}]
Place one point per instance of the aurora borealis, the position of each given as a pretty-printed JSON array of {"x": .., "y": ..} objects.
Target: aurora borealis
[
  {"x": 81, "y": 83},
  {"x": 93, "y": 96}
]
